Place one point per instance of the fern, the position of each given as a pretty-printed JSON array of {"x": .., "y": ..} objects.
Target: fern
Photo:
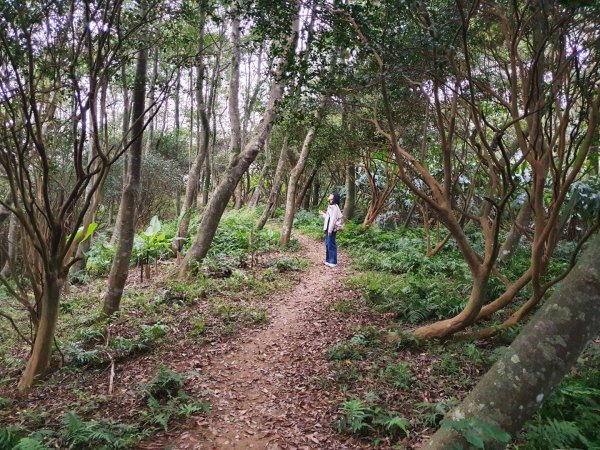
[
  {"x": 477, "y": 432},
  {"x": 556, "y": 434},
  {"x": 10, "y": 436},
  {"x": 80, "y": 434},
  {"x": 30, "y": 444}
]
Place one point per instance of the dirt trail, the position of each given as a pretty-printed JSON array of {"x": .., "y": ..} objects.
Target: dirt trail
[{"x": 264, "y": 385}]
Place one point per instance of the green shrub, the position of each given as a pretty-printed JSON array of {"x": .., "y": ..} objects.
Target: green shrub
[
  {"x": 152, "y": 244},
  {"x": 99, "y": 257}
]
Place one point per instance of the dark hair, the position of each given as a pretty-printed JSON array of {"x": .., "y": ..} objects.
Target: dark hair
[{"x": 336, "y": 198}]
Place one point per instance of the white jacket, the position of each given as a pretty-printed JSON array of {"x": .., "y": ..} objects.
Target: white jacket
[{"x": 331, "y": 217}]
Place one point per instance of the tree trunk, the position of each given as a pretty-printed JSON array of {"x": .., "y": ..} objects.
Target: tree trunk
[
  {"x": 125, "y": 127},
  {"x": 316, "y": 194},
  {"x": 537, "y": 360},
  {"x": 216, "y": 206},
  {"x": 350, "y": 202},
  {"x": 300, "y": 200},
  {"x": 152, "y": 126},
  {"x": 97, "y": 194},
  {"x": 4, "y": 211},
  {"x": 127, "y": 209},
  {"x": 235, "y": 142},
  {"x": 194, "y": 174},
  {"x": 11, "y": 250},
  {"x": 290, "y": 206},
  {"x": 511, "y": 243},
  {"x": 253, "y": 203},
  {"x": 44, "y": 340},
  {"x": 218, "y": 202},
  {"x": 276, "y": 187}
]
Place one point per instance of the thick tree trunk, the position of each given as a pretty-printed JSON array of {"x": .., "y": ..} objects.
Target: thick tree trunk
[
  {"x": 537, "y": 360},
  {"x": 193, "y": 183},
  {"x": 290, "y": 205},
  {"x": 276, "y": 187},
  {"x": 350, "y": 202},
  {"x": 44, "y": 340},
  {"x": 127, "y": 209}
]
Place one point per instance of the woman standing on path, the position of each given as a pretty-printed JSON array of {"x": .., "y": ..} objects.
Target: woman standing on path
[{"x": 332, "y": 223}]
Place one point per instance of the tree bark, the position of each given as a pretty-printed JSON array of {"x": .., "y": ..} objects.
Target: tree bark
[
  {"x": 203, "y": 140},
  {"x": 152, "y": 125},
  {"x": 11, "y": 250},
  {"x": 276, "y": 187},
  {"x": 538, "y": 359},
  {"x": 125, "y": 127},
  {"x": 290, "y": 205},
  {"x": 511, "y": 243},
  {"x": 235, "y": 141},
  {"x": 350, "y": 202},
  {"x": 253, "y": 203},
  {"x": 44, "y": 339},
  {"x": 128, "y": 210}
]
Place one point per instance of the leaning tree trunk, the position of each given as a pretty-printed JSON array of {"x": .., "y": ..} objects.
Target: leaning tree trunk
[
  {"x": 128, "y": 210},
  {"x": 276, "y": 187},
  {"x": 290, "y": 204},
  {"x": 193, "y": 182},
  {"x": 537, "y": 360},
  {"x": 222, "y": 194}
]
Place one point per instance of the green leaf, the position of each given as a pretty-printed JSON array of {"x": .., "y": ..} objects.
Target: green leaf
[{"x": 154, "y": 227}]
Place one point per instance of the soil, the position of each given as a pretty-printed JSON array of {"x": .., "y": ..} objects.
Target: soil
[{"x": 269, "y": 387}]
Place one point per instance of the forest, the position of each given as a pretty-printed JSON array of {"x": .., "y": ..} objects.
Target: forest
[{"x": 164, "y": 168}]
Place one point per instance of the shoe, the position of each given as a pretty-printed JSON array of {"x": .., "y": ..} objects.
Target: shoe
[{"x": 328, "y": 264}]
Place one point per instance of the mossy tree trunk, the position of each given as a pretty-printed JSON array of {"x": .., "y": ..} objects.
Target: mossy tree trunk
[{"x": 535, "y": 363}]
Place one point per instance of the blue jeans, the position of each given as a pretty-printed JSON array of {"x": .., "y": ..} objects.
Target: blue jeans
[{"x": 330, "y": 248}]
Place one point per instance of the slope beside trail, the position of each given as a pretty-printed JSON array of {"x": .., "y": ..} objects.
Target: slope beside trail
[{"x": 270, "y": 387}]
